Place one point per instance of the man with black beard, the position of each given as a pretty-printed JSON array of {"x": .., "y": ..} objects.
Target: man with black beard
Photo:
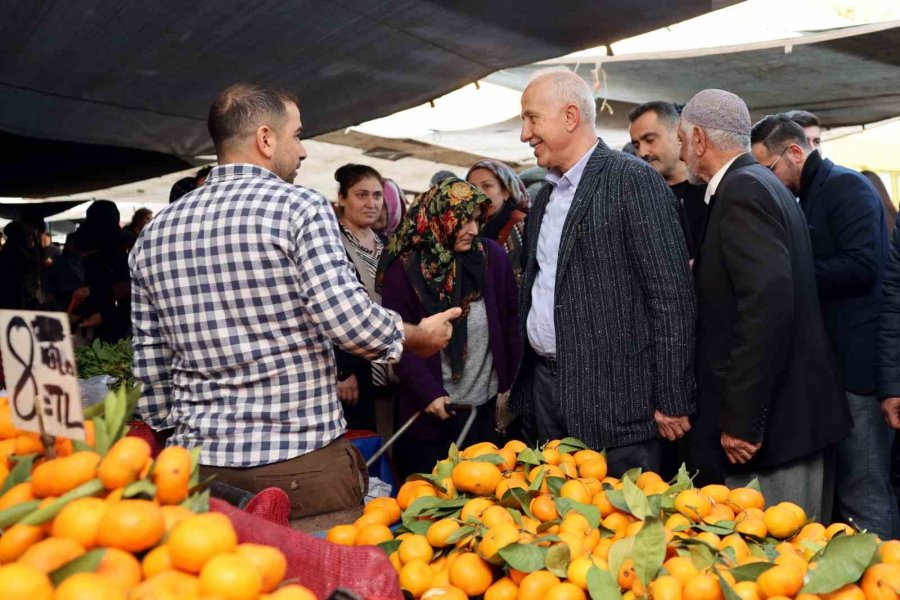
[{"x": 654, "y": 135}]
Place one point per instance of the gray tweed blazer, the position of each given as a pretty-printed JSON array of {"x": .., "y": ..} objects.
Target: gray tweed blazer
[{"x": 625, "y": 310}]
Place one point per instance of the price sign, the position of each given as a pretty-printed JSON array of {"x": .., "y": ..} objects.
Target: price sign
[{"x": 41, "y": 378}]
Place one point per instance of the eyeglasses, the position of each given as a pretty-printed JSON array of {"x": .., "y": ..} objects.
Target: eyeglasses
[{"x": 772, "y": 166}]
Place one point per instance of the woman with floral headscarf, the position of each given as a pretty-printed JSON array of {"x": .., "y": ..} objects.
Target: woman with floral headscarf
[
  {"x": 437, "y": 260},
  {"x": 509, "y": 205}
]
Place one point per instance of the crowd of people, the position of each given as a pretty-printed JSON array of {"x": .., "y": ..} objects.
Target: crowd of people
[{"x": 726, "y": 297}]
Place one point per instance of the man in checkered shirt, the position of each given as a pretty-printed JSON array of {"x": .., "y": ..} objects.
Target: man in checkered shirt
[{"x": 239, "y": 291}]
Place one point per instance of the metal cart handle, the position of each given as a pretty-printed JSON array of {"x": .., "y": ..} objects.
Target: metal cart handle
[{"x": 449, "y": 407}]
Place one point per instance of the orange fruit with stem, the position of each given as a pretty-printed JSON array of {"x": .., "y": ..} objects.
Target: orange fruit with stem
[
  {"x": 544, "y": 508},
  {"x": 172, "y": 474},
  {"x": 132, "y": 525}
]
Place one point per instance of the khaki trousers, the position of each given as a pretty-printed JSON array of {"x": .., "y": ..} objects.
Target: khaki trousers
[{"x": 332, "y": 478}]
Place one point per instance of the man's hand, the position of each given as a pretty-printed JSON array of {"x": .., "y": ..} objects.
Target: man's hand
[
  {"x": 672, "y": 428},
  {"x": 438, "y": 409},
  {"x": 432, "y": 333},
  {"x": 348, "y": 391},
  {"x": 890, "y": 408},
  {"x": 737, "y": 450},
  {"x": 95, "y": 320}
]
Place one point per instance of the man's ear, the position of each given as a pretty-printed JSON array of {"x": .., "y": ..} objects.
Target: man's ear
[
  {"x": 265, "y": 141},
  {"x": 699, "y": 140},
  {"x": 573, "y": 117}
]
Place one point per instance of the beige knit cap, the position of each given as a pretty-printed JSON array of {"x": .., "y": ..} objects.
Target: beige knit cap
[{"x": 718, "y": 109}]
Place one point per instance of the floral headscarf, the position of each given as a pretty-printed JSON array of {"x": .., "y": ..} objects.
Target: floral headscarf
[
  {"x": 441, "y": 277},
  {"x": 508, "y": 178}
]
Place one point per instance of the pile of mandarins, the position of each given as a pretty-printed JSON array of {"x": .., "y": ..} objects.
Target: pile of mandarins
[
  {"x": 520, "y": 523},
  {"x": 102, "y": 520}
]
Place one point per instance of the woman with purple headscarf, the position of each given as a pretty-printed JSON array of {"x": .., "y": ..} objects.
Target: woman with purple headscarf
[
  {"x": 509, "y": 205},
  {"x": 392, "y": 210}
]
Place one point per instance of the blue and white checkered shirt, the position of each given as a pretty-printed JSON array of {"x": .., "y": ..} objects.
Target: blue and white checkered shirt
[{"x": 238, "y": 292}]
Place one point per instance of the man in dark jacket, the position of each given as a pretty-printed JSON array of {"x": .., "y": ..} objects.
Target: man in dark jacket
[
  {"x": 606, "y": 301},
  {"x": 849, "y": 237},
  {"x": 654, "y": 134},
  {"x": 769, "y": 391}
]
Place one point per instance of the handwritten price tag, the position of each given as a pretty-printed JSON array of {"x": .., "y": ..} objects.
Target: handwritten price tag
[{"x": 41, "y": 378}]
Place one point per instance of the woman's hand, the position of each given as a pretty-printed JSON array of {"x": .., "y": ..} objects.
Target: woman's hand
[
  {"x": 438, "y": 409},
  {"x": 348, "y": 391}
]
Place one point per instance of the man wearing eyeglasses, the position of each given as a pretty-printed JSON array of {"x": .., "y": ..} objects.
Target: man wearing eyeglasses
[{"x": 849, "y": 240}]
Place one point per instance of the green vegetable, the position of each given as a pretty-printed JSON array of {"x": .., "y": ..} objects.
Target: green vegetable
[{"x": 102, "y": 358}]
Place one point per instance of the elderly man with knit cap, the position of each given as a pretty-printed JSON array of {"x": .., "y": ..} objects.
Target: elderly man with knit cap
[{"x": 770, "y": 404}]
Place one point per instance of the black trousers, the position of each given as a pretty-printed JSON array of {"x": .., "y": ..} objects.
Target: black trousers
[{"x": 550, "y": 424}]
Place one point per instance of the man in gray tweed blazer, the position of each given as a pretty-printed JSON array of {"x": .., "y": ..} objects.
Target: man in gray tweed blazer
[{"x": 607, "y": 303}]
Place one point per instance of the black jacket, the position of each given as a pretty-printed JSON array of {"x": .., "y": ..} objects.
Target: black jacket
[
  {"x": 624, "y": 307},
  {"x": 889, "y": 332},
  {"x": 765, "y": 371},
  {"x": 849, "y": 243}
]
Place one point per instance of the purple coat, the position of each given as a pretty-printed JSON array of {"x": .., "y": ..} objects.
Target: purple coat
[{"x": 421, "y": 380}]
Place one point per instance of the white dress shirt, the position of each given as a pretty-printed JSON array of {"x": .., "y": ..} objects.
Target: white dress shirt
[
  {"x": 713, "y": 184},
  {"x": 540, "y": 326}
]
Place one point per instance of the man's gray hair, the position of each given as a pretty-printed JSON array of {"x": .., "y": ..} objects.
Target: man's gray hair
[
  {"x": 721, "y": 139},
  {"x": 570, "y": 88}
]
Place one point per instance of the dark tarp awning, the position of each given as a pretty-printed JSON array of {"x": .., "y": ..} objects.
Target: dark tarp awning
[
  {"x": 849, "y": 76},
  {"x": 141, "y": 75},
  {"x": 35, "y": 211}
]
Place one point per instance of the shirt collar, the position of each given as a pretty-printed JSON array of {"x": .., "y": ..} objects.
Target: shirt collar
[
  {"x": 713, "y": 184},
  {"x": 234, "y": 171},
  {"x": 573, "y": 175}
]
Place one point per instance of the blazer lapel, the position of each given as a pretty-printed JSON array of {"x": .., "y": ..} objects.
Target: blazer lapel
[
  {"x": 584, "y": 196},
  {"x": 741, "y": 161}
]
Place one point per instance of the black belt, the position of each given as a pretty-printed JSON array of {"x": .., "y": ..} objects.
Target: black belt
[{"x": 551, "y": 364}]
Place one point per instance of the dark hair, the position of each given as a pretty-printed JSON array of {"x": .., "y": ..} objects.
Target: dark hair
[
  {"x": 803, "y": 118},
  {"x": 139, "y": 215},
  {"x": 890, "y": 211},
  {"x": 202, "y": 172},
  {"x": 665, "y": 111},
  {"x": 776, "y": 132},
  {"x": 181, "y": 187},
  {"x": 239, "y": 109},
  {"x": 349, "y": 175}
]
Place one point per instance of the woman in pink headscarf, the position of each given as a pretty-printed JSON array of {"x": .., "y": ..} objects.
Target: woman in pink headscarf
[
  {"x": 509, "y": 205},
  {"x": 392, "y": 210}
]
